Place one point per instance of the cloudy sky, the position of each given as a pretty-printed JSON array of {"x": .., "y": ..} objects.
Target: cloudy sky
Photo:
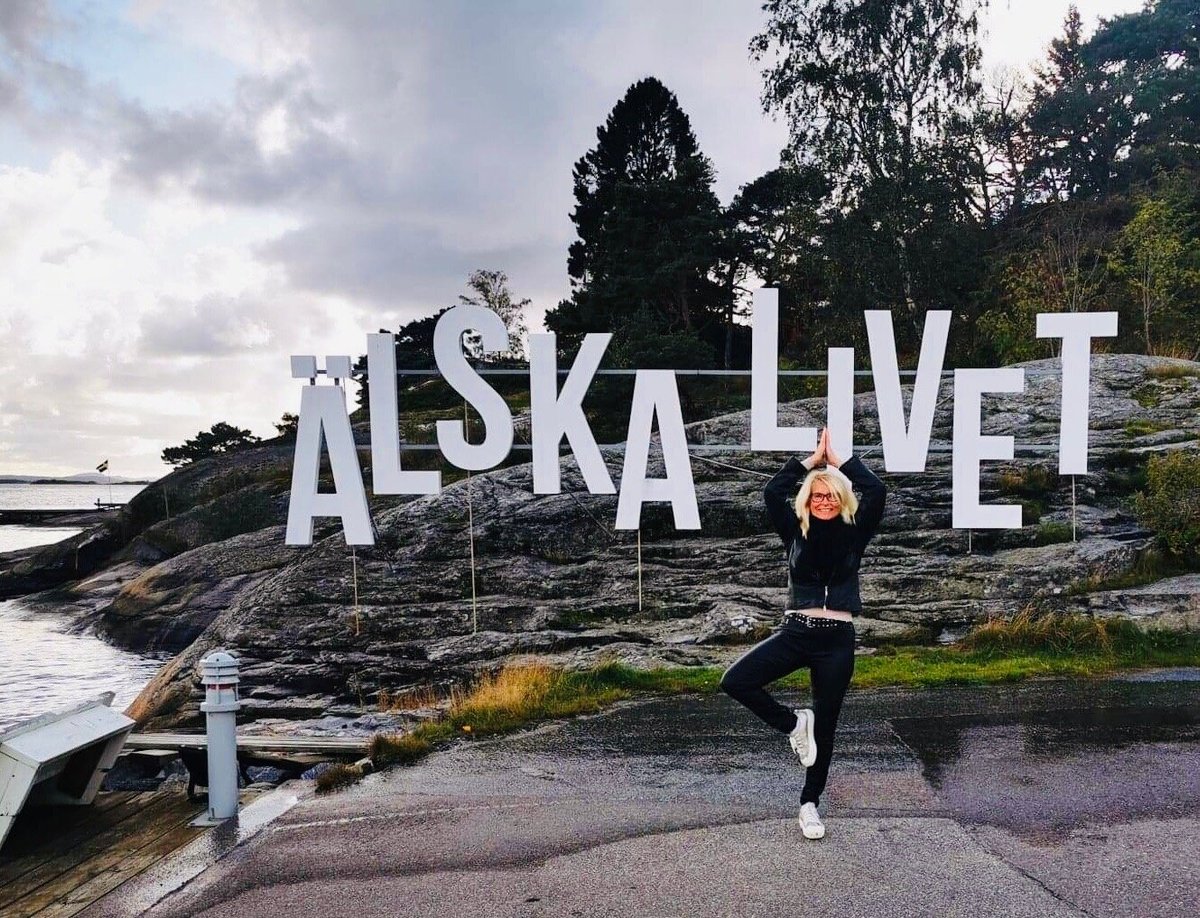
[{"x": 191, "y": 192}]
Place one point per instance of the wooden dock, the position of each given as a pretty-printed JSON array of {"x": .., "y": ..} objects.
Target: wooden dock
[
  {"x": 41, "y": 516},
  {"x": 59, "y": 860},
  {"x": 305, "y": 745}
]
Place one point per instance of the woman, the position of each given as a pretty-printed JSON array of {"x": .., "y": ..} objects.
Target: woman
[{"x": 825, "y": 533}]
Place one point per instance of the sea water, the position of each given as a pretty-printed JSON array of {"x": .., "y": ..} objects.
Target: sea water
[
  {"x": 22, "y": 496},
  {"x": 43, "y": 669}
]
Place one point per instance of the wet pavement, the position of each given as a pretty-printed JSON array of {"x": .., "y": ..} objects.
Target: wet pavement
[{"x": 1033, "y": 798}]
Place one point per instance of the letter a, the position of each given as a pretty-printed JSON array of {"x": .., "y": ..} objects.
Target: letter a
[
  {"x": 655, "y": 391},
  {"x": 323, "y": 408}
]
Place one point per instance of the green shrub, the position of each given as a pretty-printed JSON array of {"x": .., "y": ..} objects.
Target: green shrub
[{"x": 1170, "y": 505}]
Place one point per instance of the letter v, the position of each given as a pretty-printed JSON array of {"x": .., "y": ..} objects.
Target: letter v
[{"x": 906, "y": 445}]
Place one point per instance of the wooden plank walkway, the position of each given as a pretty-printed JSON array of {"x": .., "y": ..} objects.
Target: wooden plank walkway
[
  {"x": 326, "y": 745},
  {"x": 59, "y": 860}
]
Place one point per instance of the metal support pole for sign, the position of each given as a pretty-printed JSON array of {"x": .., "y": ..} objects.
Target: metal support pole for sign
[
  {"x": 1073, "y": 509},
  {"x": 968, "y": 541},
  {"x": 639, "y": 568},
  {"x": 471, "y": 528},
  {"x": 354, "y": 576}
]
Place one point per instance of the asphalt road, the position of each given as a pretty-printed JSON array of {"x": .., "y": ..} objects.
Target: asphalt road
[{"x": 1039, "y": 798}]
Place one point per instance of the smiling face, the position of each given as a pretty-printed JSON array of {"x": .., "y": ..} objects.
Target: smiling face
[{"x": 823, "y": 501}]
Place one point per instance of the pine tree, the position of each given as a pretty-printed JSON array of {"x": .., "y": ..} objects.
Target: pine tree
[{"x": 648, "y": 224}]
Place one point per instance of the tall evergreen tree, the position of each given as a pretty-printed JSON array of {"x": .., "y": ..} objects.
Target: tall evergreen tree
[{"x": 649, "y": 225}]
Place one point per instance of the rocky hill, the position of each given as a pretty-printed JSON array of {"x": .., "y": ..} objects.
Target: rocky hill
[{"x": 553, "y": 578}]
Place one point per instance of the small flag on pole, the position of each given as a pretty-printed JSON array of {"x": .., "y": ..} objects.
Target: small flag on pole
[{"x": 102, "y": 466}]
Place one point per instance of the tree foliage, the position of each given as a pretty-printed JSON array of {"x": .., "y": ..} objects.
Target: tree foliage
[
  {"x": 650, "y": 228},
  {"x": 1171, "y": 502},
  {"x": 221, "y": 438},
  {"x": 1158, "y": 256},
  {"x": 875, "y": 93},
  {"x": 490, "y": 290},
  {"x": 1110, "y": 108}
]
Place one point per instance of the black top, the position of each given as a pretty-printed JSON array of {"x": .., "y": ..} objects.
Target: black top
[
  {"x": 823, "y": 568},
  {"x": 829, "y": 542}
]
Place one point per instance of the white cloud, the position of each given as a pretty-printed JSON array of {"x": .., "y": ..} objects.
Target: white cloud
[
  {"x": 139, "y": 338},
  {"x": 346, "y": 171}
]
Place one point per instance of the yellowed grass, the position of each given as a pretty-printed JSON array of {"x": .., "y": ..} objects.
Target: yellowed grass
[
  {"x": 1031, "y": 628},
  {"x": 424, "y": 696},
  {"x": 513, "y": 691},
  {"x": 1172, "y": 348}
]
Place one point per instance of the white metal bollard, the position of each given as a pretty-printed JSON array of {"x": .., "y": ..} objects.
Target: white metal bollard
[{"x": 220, "y": 678}]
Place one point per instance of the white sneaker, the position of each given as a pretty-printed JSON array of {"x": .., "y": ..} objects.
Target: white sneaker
[
  {"x": 810, "y": 821},
  {"x": 804, "y": 744}
]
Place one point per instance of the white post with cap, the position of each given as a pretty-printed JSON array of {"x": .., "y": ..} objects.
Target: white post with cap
[{"x": 220, "y": 677}]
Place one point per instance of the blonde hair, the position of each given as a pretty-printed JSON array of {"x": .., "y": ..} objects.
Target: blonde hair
[{"x": 838, "y": 484}]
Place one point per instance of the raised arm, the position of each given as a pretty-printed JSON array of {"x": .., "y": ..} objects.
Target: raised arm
[
  {"x": 870, "y": 504},
  {"x": 779, "y": 495}
]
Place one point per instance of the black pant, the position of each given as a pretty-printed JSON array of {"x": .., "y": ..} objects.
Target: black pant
[{"x": 829, "y": 654}]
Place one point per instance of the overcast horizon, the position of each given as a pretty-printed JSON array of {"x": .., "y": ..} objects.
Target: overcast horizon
[{"x": 188, "y": 197}]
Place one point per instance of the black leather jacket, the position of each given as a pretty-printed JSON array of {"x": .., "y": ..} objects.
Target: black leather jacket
[{"x": 806, "y": 588}]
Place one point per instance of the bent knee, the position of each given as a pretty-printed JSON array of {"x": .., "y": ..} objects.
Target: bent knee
[{"x": 730, "y": 684}]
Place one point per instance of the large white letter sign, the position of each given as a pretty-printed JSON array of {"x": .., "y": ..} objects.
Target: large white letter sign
[
  {"x": 906, "y": 443},
  {"x": 765, "y": 432},
  {"x": 655, "y": 391},
  {"x": 551, "y": 415},
  {"x": 1077, "y": 329},
  {"x": 970, "y": 446},
  {"x": 386, "y": 475},
  {"x": 497, "y": 418},
  {"x": 323, "y": 408},
  {"x": 839, "y": 399}
]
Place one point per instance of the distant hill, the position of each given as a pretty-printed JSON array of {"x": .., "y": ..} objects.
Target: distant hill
[{"x": 82, "y": 478}]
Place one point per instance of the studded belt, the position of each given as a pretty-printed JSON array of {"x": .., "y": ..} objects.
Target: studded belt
[{"x": 815, "y": 621}]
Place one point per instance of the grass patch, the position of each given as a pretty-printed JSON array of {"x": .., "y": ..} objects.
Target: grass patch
[
  {"x": 1031, "y": 510},
  {"x": 1148, "y": 395},
  {"x": 1172, "y": 371},
  {"x": 1058, "y": 633},
  {"x": 1141, "y": 427},
  {"x": 338, "y": 775},
  {"x": 1028, "y": 645},
  {"x": 1128, "y": 471},
  {"x": 1031, "y": 481},
  {"x": 420, "y": 697},
  {"x": 1052, "y": 532},
  {"x": 1150, "y": 564}
]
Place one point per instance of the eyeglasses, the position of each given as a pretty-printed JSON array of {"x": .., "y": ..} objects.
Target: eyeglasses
[{"x": 827, "y": 498}]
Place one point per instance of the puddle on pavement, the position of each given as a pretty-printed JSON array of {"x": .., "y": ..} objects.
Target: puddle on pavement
[{"x": 1054, "y": 770}]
